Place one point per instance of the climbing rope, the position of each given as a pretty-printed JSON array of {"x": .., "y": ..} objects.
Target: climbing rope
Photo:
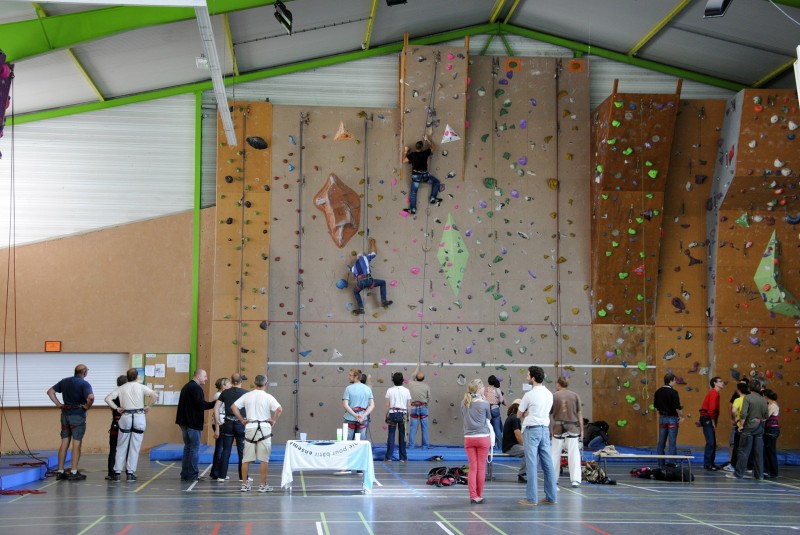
[{"x": 304, "y": 119}]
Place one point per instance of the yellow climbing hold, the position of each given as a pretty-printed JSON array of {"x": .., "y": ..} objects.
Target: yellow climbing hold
[
  {"x": 576, "y": 311},
  {"x": 547, "y": 288},
  {"x": 552, "y": 183},
  {"x": 573, "y": 350},
  {"x": 382, "y": 328},
  {"x": 550, "y": 300}
]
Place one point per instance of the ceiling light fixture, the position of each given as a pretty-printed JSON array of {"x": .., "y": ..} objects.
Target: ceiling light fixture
[
  {"x": 716, "y": 8},
  {"x": 284, "y": 16}
]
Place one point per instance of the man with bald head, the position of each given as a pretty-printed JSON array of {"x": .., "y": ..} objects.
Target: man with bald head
[
  {"x": 191, "y": 405},
  {"x": 420, "y": 397},
  {"x": 78, "y": 398}
]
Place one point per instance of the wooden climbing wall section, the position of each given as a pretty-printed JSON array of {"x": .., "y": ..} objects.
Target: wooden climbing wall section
[
  {"x": 434, "y": 97},
  {"x": 633, "y": 135},
  {"x": 755, "y": 314},
  {"x": 636, "y": 357},
  {"x": 242, "y": 260}
]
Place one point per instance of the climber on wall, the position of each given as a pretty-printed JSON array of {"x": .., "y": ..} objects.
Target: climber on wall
[
  {"x": 418, "y": 158},
  {"x": 363, "y": 274}
]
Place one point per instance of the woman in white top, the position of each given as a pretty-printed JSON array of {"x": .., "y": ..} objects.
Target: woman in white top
[
  {"x": 398, "y": 400},
  {"x": 223, "y": 383},
  {"x": 476, "y": 413}
]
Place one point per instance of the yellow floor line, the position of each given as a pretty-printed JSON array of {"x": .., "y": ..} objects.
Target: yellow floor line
[
  {"x": 498, "y": 530},
  {"x": 364, "y": 520},
  {"x": 93, "y": 524},
  {"x": 707, "y": 524},
  {"x": 451, "y": 526},
  {"x": 143, "y": 485}
]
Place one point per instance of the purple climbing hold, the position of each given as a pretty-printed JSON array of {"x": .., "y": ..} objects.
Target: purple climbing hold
[
  {"x": 523, "y": 124},
  {"x": 515, "y": 194},
  {"x": 693, "y": 260},
  {"x": 533, "y": 102},
  {"x": 678, "y": 303},
  {"x": 523, "y": 160},
  {"x": 509, "y": 74},
  {"x": 502, "y": 81}
]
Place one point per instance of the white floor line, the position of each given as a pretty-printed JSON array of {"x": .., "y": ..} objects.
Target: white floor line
[
  {"x": 444, "y": 528},
  {"x": 202, "y": 474},
  {"x": 319, "y": 528}
]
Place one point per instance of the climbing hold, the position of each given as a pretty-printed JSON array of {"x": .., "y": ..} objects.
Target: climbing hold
[
  {"x": 341, "y": 284},
  {"x": 257, "y": 142},
  {"x": 622, "y": 423},
  {"x": 670, "y": 354}
]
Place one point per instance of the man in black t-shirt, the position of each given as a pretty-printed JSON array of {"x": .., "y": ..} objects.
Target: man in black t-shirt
[
  {"x": 231, "y": 428},
  {"x": 512, "y": 439},
  {"x": 670, "y": 414},
  {"x": 418, "y": 158}
]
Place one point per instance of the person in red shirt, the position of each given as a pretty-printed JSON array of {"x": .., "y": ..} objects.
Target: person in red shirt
[{"x": 709, "y": 414}]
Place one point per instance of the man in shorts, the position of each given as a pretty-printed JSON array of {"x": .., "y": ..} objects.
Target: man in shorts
[
  {"x": 78, "y": 398},
  {"x": 262, "y": 410}
]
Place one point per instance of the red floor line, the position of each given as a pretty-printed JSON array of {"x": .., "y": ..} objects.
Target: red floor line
[
  {"x": 248, "y": 529},
  {"x": 215, "y": 531},
  {"x": 126, "y": 529},
  {"x": 598, "y": 530}
]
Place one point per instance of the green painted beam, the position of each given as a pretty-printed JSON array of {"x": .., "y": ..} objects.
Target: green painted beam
[
  {"x": 509, "y": 51},
  {"x": 28, "y": 38},
  {"x": 198, "y": 184},
  {"x": 579, "y": 50},
  {"x": 622, "y": 58}
]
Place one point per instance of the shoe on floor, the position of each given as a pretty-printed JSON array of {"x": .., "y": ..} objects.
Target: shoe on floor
[
  {"x": 111, "y": 477},
  {"x": 732, "y": 476},
  {"x": 711, "y": 468},
  {"x": 525, "y": 501},
  {"x": 476, "y": 500},
  {"x": 131, "y": 477},
  {"x": 221, "y": 479},
  {"x": 575, "y": 485},
  {"x": 546, "y": 502},
  {"x": 245, "y": 487},
  {"x": 728, "y": 467},
  {"x": 522, "y": 479},
  {"x": 62, "y": 476},
  {"x": 264, "y": 488},
  {"x": 77, "y": 476},
  {"x": 358, "y": 311},
  {"x": 387, "y": 303}
]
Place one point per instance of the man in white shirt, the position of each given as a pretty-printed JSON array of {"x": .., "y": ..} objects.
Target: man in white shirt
[
  {"x": 132, "y": 423},
  {"x": 534, "y": 411},
  {"x": 262, "y": 410}
]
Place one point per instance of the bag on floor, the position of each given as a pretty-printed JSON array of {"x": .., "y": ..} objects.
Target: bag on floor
[
  {"x": 592, "y": 473},
  {"x": 645, "y": 472},
  {"x": 441, "y": 480},
  {"x": 672, "y": 473},
  {"x": 438, "y": 471}
]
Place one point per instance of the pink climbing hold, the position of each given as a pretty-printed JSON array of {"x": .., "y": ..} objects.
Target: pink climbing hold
[
  {"x": 384, "y": 362},
  {"x": 394, "y": 182},
  {"x": 404, "y": 328},
  {"x": 393, "y": 283},
  {"x": 450, "y": 56},
  {"x": 449, "y": 67},
  {"x": 415, "y": 271},
  {"x": 403, "y": 213},
  {"x": 414, "y": 334}
]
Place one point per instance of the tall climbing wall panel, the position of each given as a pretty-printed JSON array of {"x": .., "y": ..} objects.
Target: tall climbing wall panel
[
  {"x": 633, "y": 134},
  {"x": 474, "y": 281},
  {"x": 242, "y": 266},
  {"x": 755, "y": 272},
  {"x": 434, "y": 87},
  {"x": 678, "y": 341}
]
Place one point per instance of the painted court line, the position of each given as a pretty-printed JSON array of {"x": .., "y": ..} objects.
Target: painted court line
[
  {"x": 366, "y": 524},
  {"x": 451, "y": 526},
  {"x": 598, "y": 530},
  {"x": 479, "y": 517},
  {"x": 444, "y": 528},
  {"x": 93, "y": 524},
  {"x": 707, "y": 524},
  {"x": 143, "y": 485}
]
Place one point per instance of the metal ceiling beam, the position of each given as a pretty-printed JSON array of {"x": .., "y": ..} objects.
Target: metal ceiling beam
[
  {"x": 483, "y": 29},
  {"x": 680, "y": 6},
  {"x": 774, "y": 74},
  {"x": 229, "y": 44},
  {"x": 28, "y": 38},
  {"x": 370, "y": 23},
  {"x": 498, "y": 6},
  {"x": 217, "y": 78},
  {"x": 41, "y": 14}
]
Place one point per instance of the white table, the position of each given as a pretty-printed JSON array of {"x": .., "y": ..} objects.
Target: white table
[{"x": 328, "y": 455}]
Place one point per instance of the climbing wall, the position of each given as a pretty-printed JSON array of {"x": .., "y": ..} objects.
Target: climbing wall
[
  {"x": 434, "y": 85},
  {"x": 242, "y": 263},
  {"x": 632, "y": 140},
  {"x": 755, "y": 271},
  {"x": 681, "y": 321},
  {"x": 475, "y": 282}
]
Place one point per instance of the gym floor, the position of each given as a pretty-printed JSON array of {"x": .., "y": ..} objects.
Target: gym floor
[{"x": 400, "y": 503}]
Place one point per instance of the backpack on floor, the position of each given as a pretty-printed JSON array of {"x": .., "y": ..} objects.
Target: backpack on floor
[{"x": 594, "y": 474}]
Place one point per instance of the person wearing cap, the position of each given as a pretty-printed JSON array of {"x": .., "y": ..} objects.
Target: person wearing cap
[
  {"x": 512, "y": 439},
  {"x": 566, "y": 426}
]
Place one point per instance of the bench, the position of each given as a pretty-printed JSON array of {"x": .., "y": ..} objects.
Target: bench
[
  {"x": 490, "y": 471},
  {"x": 628, "y": 456}
]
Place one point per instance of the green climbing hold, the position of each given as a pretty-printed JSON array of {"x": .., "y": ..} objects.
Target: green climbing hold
[
  {"x": 629, "y": 398},
  {"x": 509, "y": 352},
  {"x": 497, "y": 296},
  {"x": 484, "y": 137},
  {"x": 652, "y": 173},
  {"x": 604, "y": 197},
  {"x": 489, "y": 183},
  {"x": 503, "y": 111},
  {"x": 498, "y": 93},
  {"x": 648, "y": 163},
  {"x": 514, "y": 308},
  {"x": 599, "y": 168},
  {"x": 628, "y": 311},
  {"x": 648, "y": 195},
  {"x": 601, "y": 313},
  {"x": 507, "y": 103},
  {"x": 608, "y": 253},
  {"x": 615, "y": 123},
  {"x": 614, "y": 244},
  {"x": 642, "y": 365},
  {"x": 497, "y": 259},
  {"x": 631, "y": 231},
  {"x": 503, "y": 336},
  {"x": 503, "y": 316},
  {"x": 640, "y": 220},
  {"x": 628, "y": 151},
  {"x": 639, "y": 297},
  {"x": 622, "y": 423},
  {"x": 506, "y": 155},
  {"x": 618, "y": 103},
  {"x": 743, "y": 220},
  {"x": 611, "y": 141},
  {"x": 627, "y": 384},
  {"x": 656, "y": 212},
  {"x": 622, "y": 275}
]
